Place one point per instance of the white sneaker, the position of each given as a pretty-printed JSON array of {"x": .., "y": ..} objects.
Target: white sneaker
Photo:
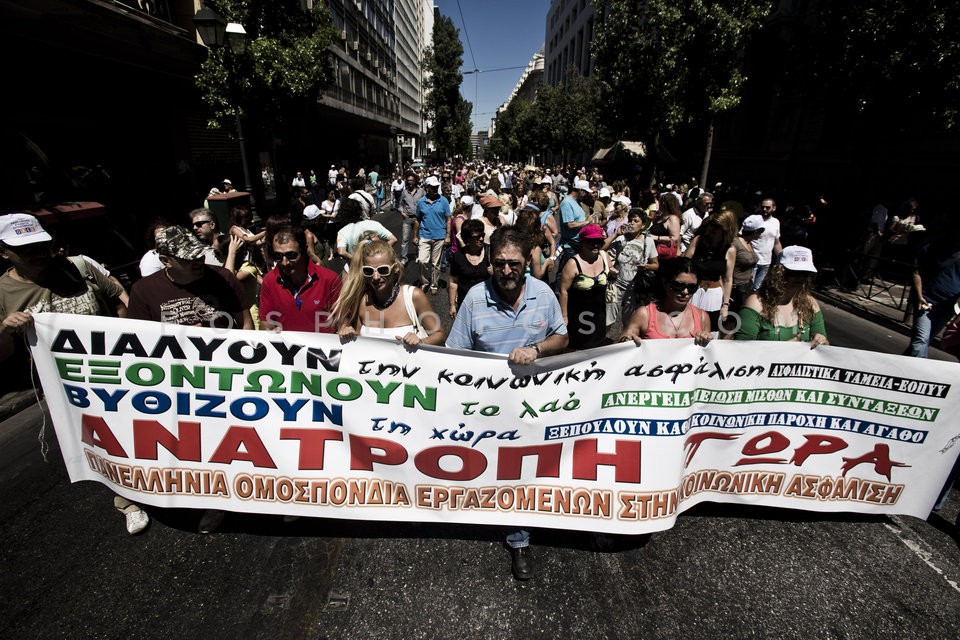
[{"x": 137, "y": 520}]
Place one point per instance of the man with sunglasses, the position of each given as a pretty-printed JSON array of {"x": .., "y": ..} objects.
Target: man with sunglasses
[
  {"x": 298, "y": 294},
  {"x": 204, "y": 226},
  {"x": 40, "y": 281},
  {"x": 516, "y": 314},
  {"x": 189, "y": 292},
  {"x": 767, "y": 245}
]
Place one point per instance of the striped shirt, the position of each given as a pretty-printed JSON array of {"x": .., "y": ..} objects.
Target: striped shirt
[{"x": 485, "y": 322}]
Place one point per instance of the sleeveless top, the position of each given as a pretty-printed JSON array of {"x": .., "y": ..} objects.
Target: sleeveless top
[
  {"x": 386, "y": 333},
  {"x": 389, "y": 333},
  {"x": 709, "y": 264},
  {"x": 653, "y": 329},
  {"x": 743, "y": 266},
  {"x": 584, "y": 282}
]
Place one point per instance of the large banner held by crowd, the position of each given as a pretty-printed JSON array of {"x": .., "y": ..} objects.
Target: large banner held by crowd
[{"x": 620, "y": 439}]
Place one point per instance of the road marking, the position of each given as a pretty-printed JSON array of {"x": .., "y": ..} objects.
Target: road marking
[{"x": 924, "y": 554}]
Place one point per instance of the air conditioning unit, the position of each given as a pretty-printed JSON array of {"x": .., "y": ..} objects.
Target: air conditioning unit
[
  {"x": 369, "y": 56},
  {"x": 354, "y": 44},
  {"x": 343, "y": 34}
]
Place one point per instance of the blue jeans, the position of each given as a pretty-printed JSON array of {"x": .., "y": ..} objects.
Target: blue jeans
[
  {"x": 518, "y": 539},
  {"x": 927, "y": 324},
  {"x": 759, "y": 274},
  {"x": 406, "y": 236}
]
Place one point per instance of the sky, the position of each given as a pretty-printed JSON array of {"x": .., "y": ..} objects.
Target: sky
[{"x": 502, "y": 33}]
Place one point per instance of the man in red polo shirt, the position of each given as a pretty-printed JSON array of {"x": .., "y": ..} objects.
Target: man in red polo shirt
[{"x": 298, "y": 294}]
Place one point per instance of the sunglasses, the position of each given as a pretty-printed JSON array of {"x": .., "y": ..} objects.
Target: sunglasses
[
  {"x": 473, "y": 238},
  {"x": 289, "y": 255},
  {"x": 680, "y": 287},
  {"x": 384, "y": 270},
  {"x": 499, "y": 265},
  {"x": 200, "y": 223}
]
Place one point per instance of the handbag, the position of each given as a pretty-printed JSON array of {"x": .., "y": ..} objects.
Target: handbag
[{"x": 668, "y": 249}]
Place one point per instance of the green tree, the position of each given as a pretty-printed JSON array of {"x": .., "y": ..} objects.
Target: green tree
[
  {"x": 282, "y": 71},
  {"x": 566, "y": 118},
  {"x": 889, "y": 61},
  {"x": 447, "y": 110},
  {"x": 512, "y": 138},
  {"x": 663, "y": 64}
]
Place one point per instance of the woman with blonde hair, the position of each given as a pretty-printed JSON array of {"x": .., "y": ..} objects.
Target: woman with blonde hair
[{"x": 373, "y": 303}]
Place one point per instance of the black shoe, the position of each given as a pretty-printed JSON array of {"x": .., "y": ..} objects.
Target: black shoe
[
  {"x": 210, "y": 521},
  {"x": 522, "y": 563}
]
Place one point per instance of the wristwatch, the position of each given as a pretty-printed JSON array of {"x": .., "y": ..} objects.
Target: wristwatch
[{"x": 536, "y": 348}]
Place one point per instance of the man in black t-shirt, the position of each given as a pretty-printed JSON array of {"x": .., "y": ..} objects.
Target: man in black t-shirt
[{"x": 188, "y": 291}]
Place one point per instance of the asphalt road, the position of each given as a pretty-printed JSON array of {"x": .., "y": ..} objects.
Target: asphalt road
[{"x": 70, "y": 570}]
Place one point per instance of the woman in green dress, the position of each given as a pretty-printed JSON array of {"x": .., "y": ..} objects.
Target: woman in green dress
[{"x": 782, "y": 309}]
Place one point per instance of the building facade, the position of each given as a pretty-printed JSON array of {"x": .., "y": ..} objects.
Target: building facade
[
  {"x": 374, "y": 106},
  {"x": 570, "y": 28},
  {"x": 526, "y": 87}
]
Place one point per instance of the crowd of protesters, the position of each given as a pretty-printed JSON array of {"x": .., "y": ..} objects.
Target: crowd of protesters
[{"x": 541, "y": 260}]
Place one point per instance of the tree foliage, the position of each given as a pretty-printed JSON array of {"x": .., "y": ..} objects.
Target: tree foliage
[
  {"x": 662, "y": 64},
  {"x": 561, "y": 120},
  {"x": 285, "y": 66},
  {"x": 885, "y": 58},
  {"x": 447, "y": 110}
]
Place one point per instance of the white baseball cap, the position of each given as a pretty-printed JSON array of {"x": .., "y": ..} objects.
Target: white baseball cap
[
  {"x": 796, "y": 258},
  {"x": 432, "y": 181},
  {"x": 19, "y": 229},
  {"x": 583, "y": 185},
  {"x": 466, "y": 201},
  {"x": 311, "y": 212},
  {"x": 604, "y": 193},
  {"x": 753, "y": 223}
]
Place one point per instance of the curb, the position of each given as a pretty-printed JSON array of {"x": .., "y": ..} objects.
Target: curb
[
  {"x": 852, "y": 306},
  {"x": 14, "y": 402}
]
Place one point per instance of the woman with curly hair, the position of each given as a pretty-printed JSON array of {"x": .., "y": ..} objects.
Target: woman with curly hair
[
  {"x": 373, "y": 303},
  {"x": 782, "y": 309}
]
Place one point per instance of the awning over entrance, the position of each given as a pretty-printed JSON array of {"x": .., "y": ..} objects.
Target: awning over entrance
[{"x": 634, "y": 149}]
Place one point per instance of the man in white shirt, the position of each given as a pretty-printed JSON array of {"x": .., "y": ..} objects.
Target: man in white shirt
[
  {"x": 692, "y": 218},
  {"x": 298, "y": 180},
  {"x": 767, "y": 246}
]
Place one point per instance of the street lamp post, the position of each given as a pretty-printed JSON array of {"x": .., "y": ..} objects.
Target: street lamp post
[{"x": 215, "y": 32}]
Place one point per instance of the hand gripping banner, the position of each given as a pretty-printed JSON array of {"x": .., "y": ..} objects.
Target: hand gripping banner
[{"x": 620, "y": 439}]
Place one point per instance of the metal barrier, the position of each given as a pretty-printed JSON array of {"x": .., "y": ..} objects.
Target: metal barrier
[{"x": 881, "y": 280}]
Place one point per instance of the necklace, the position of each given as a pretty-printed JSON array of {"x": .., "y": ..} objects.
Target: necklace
[
  {"x": 389, "y": 301},
  {"x": 677, "y": 325}
]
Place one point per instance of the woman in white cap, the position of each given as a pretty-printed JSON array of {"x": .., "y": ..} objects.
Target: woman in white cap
[
  {"x": 782, "y": 309},
  {"x": 746, "y": 260}
]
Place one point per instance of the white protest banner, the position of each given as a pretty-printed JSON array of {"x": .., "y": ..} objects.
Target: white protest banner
[{"x": 620, "y": 439}]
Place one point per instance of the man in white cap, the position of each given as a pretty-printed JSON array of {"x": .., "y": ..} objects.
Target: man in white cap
[
  {"x": 432, "y": 232},
  {"x": 471, "y": 209},
  {"x": 227, "y": 186},
  {"x": 38, "y": 281}
]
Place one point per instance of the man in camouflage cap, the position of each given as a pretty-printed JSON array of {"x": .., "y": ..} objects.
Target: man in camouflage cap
[{"x": 189, "y": 292}]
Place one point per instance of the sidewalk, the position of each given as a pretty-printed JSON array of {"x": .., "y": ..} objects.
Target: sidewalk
[{"x": 875, "y": 300}]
